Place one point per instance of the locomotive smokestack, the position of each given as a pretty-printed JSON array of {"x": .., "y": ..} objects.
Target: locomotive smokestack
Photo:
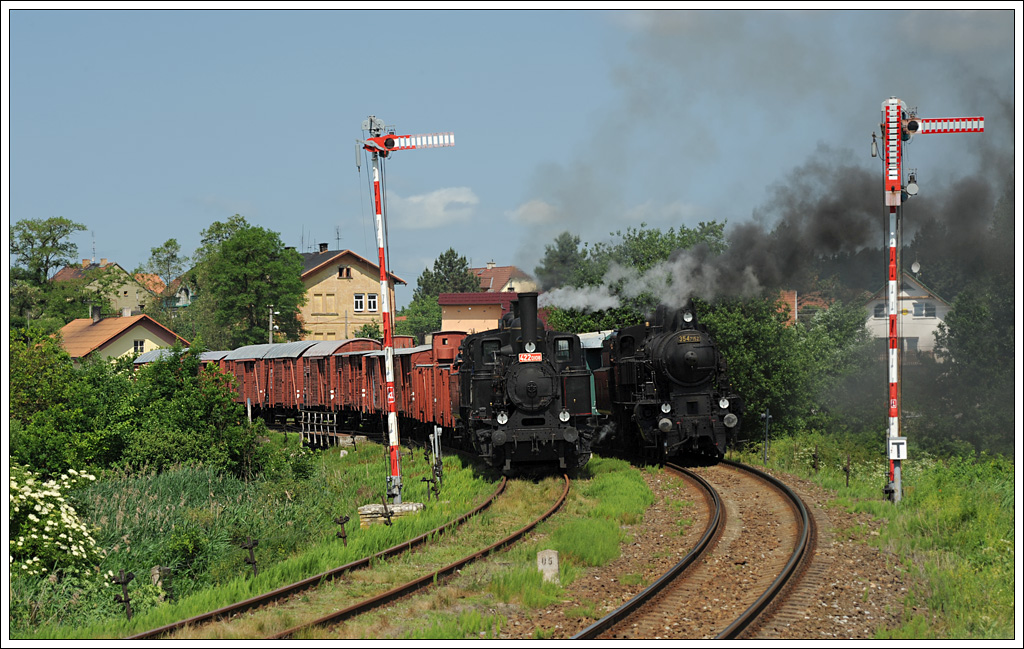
[{"x": 528, "y": 316}]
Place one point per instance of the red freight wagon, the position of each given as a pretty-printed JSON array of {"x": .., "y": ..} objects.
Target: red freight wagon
[
  {"x": 284, "y": 376},
  {"x": 405, "y": 397},
  {"x": 247, "y": 366},
  {"x": 419, "y": 402},
  {"x": 445, "y": 346}
]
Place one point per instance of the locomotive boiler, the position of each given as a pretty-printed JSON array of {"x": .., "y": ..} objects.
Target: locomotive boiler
[
  {"x": 523, "y": 400},
  {"x": 664, "y": 387}
]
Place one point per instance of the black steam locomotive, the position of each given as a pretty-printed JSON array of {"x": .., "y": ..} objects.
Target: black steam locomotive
[
  {"x": 664, "y": 387},
  {"x": 524, "y": 400}
]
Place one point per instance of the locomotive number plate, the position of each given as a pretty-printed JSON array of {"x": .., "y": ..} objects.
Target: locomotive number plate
[
  {"x": 688, "y": 338},
  {"x": 531, "y": 358}
]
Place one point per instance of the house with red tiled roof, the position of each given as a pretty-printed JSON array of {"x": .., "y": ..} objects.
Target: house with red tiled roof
[
  {"x": 127, "y": 294},
  {"x": 342, "y": 293},
  {"x": 115, "y": 337},
  {"x": 503, "y": 279}
]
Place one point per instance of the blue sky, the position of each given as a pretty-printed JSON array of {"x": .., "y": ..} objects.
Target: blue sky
[{"x": 151, "y": 125}]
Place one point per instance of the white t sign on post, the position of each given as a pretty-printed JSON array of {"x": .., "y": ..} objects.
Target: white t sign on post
[{"x": 897, "y": 448}]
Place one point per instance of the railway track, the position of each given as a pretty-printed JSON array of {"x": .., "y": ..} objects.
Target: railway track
[
  {"x": 282, "y": 615},
  {"x": 423, "y": 581},
  {"x": 758, "y": 538},
  {"x": 290, "y": 590}
]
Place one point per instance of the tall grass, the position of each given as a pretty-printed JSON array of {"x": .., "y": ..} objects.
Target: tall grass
[
  {"x": 954, "y": 527},
  {"x": 194, "y": 520}
]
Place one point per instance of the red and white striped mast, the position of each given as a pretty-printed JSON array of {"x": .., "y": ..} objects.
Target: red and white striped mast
[
  {"x": 380, "y": 145},
  {"x": 899, "y": 126}
]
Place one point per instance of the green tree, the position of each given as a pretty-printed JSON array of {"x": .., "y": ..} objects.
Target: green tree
[
  {"x": 238, "y": 278},
  {"x": 40, "y": 246},
  {"x": 187, "y": 413},
  {"x": 640, "y": 251},
  {"x": 563, "y": 263},
  {"x": 421, "y": 317},
  {"x": 976, "y": 343},
  {"x": 795, "y": 372},
  {"x": 62, "y": 417},
  {"x": 451, "y": 274},
  {"x": 369, "y": 330},
  {"x": 167, "y": 262}
]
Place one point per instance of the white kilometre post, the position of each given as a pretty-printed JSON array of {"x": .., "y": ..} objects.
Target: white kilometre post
[
  {"x": 380, "y": 145},
  {"x": 897, "y": 127}
]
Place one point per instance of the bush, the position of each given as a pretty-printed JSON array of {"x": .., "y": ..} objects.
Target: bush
[{"x": 46, "y": 532}]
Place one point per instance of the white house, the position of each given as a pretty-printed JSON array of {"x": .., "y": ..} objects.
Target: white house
[{"x": 920, "y": 312}]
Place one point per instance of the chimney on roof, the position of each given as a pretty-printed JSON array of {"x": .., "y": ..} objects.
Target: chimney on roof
[
  {"x": 85, "y": 263},
  {"x": 490, "y": 264},
  {"x": 323, "y": 247},
  {"x": 95, "y": 312},
  {"x": 103, "y": 262}
]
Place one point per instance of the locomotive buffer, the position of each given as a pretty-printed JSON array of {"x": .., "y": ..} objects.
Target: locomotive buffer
[
  {"x": 380, "y": 145},
  {"x": 899, "y": 126}
]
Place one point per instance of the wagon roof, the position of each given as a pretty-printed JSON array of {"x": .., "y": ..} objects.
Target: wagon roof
[
  {"x": 405, "y": 351},
  {"x": 154, "y": 354},
  {"x": 248, "y": 352},
  {"x": 289, "y": 350},
  {"x": 328, "y": 347}
]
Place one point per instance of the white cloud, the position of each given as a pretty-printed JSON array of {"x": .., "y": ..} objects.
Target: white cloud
[
  {"x": 439, "y": 208},
  {"x": 535, "y": 212}
]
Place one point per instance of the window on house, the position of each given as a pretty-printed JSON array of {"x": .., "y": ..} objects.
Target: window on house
[
  {"x": 371, "y": 302},
  {"x": 929, "y": 310},
  {"x": 918, "y": 309},
  {"x": 318, "y": 303},
  {"x": 344, "y": 272},
  {"x": 880, "y": 310},
  {"x": 140, "y": 346},
  {"x": 329, "y": 303},
  {"x": 357, "y": 301}
]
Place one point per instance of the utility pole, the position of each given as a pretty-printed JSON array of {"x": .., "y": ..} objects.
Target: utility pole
[
  {"x": 899, "y": 126},
  {"x": 380, "y": 145},
  {"x": 270, "y": 325}
]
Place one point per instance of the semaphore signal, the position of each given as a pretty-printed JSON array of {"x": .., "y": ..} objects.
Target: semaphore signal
[
  {"x": 898, "y": 127},
  {"x": 380, "y": 145}
]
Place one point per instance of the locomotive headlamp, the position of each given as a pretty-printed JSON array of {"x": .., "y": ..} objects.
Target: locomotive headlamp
[
  {"x": 688, "y": 316},
  {"x": 666, "y": 408},
  {"x": 730, "y": 420},
  {"x": 563, "y": 416},
  {"x": 502, "y": 418},
  {"x": 530, "y": 347},
  {"x": 723, "y": 403}
]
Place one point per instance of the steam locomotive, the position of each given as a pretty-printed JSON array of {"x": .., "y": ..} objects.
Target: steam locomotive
[
  {"x": 523, "y": 400},
  {"x": 664, "y": 388}
]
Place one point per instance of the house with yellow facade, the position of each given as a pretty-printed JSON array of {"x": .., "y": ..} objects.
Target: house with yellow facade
[
  {"x": 127, "y": 294},
  {"x": 115, "y": 337},
  {"x": 342, "y": 293}
]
